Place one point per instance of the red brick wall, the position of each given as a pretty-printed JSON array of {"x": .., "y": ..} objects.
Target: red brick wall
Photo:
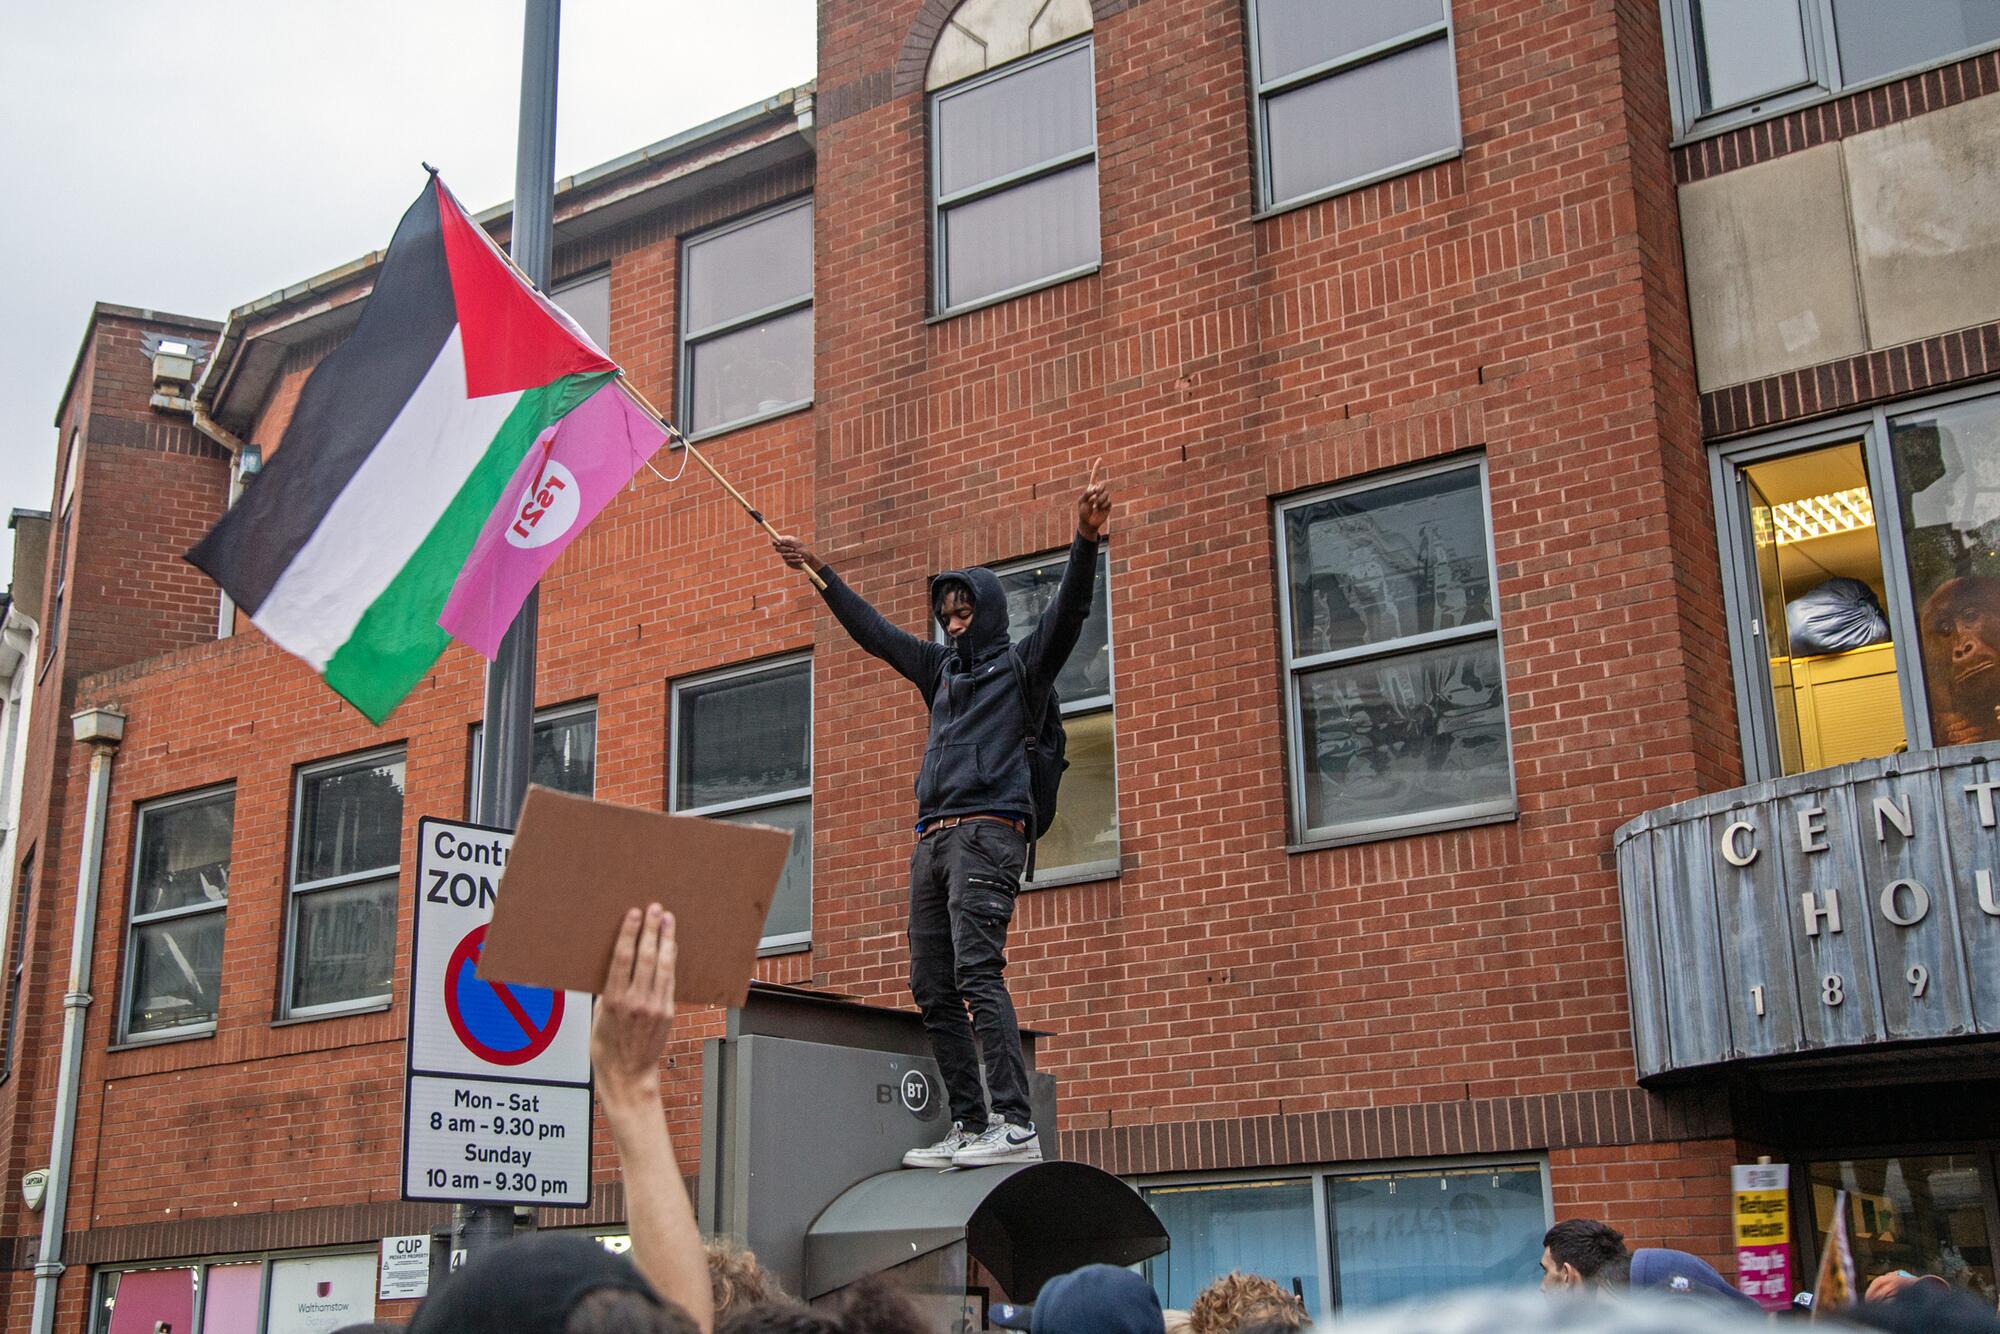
[
  {"x": 146, "y": 488},
  {"x": 1222, "y": 997},
  {"x": 1674, "y": 1195}
]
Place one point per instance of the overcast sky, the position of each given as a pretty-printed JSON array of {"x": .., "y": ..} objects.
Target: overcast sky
[{"x": 192, "y": 155}]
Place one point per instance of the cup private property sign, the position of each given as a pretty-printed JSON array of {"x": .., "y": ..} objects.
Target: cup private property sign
[
  {"x": 1821, "y": 912},
  {"x": 496, "y": 1099}
]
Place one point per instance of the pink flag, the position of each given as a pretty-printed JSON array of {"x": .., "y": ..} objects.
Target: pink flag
[{"x": 568, "y": 475}]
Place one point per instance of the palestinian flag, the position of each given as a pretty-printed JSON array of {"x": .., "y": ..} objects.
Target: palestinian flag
[{"x": 404, "y": 442}]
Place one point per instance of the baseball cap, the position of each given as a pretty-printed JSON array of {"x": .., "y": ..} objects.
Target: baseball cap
[
  {"x": 1096, "y": 1299},
  {"x": 1677, "y": 1271},
  {"x": 527, "y": 1285}
]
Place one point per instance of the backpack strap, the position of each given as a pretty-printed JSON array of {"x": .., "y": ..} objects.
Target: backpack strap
[{"x": 1031, "y": 738}]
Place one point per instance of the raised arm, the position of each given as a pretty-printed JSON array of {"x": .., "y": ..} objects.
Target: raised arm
[
  {"x": 1049, "y": 644},
  {"x": 635, "y": 1017},
  {"x": 915, "y": 659}
]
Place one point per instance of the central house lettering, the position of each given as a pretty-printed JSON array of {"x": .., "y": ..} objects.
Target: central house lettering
[{"x": 1901, "y": 902}]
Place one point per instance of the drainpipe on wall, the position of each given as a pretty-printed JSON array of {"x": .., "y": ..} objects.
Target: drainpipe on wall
[{"x": 101, "y": 730}]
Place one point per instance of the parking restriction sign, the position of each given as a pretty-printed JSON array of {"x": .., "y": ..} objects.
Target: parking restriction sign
[{"x": 496, "y": 1098}]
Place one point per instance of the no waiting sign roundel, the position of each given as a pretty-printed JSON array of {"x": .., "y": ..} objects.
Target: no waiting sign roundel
[{"x": 461, "y": 1024}]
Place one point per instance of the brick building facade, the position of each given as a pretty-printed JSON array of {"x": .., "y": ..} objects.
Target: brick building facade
[{"x": 1413, "y": 598}]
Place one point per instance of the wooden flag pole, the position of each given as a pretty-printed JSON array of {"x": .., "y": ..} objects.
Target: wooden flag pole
[{"x": 701, "y": 458}]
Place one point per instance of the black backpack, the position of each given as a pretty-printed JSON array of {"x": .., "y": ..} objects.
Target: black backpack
[{"x": 1046, "y": 743}]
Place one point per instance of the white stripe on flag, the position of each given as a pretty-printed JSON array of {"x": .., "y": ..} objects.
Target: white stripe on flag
[{"x": 385, "y": 512}]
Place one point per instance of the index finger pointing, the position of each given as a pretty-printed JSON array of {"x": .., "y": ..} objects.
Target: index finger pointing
[{"x": 1091, "y": 485}]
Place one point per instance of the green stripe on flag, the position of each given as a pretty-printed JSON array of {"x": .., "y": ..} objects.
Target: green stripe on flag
[{"x": 398, "y": 637}]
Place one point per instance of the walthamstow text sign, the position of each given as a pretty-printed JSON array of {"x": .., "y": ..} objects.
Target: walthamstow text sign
[{"x": 1830, "y": 910}]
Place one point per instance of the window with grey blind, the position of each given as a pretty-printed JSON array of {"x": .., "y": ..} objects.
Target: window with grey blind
[
  {"x": 347, "y": 846},
  {"x": 742, "y": 751},
  {"x": 1348, "y": 94},
  {"x": 747, "y": 320},
  {"x": 180, "y": 896},
  {"x": 1735, "y": 61},
  {"x": 1014, "y": 178}
]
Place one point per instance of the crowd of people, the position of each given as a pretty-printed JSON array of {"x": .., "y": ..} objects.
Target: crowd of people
[{"x": 674, "y": 1282}]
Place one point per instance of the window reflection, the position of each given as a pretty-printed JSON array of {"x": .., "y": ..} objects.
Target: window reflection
[{"x": 1948, "y": 487}]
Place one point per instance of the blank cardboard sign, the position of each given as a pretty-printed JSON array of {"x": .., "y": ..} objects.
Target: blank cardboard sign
[{"x": 578, "y": 865}]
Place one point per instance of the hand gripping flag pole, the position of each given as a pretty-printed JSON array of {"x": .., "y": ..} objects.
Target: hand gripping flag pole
[{"x": 755, "y": 514}]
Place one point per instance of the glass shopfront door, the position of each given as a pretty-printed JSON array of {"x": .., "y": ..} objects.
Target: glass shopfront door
[{"x": 1932, "y": 1213}]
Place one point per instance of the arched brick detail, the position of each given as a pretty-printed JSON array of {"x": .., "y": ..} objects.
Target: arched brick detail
[{"x": 926, "y": 28}]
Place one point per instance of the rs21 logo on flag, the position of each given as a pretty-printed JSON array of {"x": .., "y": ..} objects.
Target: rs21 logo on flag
[{"x": 546, "y": 509}]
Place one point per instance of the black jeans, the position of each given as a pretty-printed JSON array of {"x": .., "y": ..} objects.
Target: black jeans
[{"x": 962, "y": 886}]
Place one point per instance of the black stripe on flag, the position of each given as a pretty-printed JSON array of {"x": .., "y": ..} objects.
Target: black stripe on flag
[{"x": 348, "y": 403}]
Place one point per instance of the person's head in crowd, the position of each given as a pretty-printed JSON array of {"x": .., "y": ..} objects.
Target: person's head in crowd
[
  {"x": 1176, "y": 1321},
  {"x": 873, "y": 1306},
  {"x": 735, "y": 1279},
  {"x": 1575, "y": 1249},
  {"x": 1236, "y": 1300},
  {"x": 549, "y": 1283},
  {"x": 1096, "y": 1299},
  {"x": 1680, "y": 1274},
  {"x": 779, "y": 1317},
  {"x": 1613, "y": 1273},
  {"x": 1927, "y": 1305}
]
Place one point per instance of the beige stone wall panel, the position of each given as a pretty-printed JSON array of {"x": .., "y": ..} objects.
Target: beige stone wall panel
[
  {"x": 1770, "y": 278},
  {"x": 1926, "y": 199}
]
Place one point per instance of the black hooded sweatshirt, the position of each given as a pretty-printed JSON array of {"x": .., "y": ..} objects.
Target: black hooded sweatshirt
[{"x": 976, "y": 759}]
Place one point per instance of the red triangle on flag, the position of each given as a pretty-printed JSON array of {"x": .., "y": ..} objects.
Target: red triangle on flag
[{"x": 514, "y": 337}]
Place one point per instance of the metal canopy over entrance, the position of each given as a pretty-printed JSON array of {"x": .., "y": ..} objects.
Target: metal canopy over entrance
[{"x": 1024, "y": 1224}]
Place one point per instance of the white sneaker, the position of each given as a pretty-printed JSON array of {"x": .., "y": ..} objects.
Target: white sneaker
[
  {"x": 940, "y": 1154},
  {"x": 1002, "y": 1143}
]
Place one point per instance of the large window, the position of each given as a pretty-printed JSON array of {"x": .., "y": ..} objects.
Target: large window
[
  {"x": 1082, "y": 843},
  {"x": 1863, "y": 564},
  {"x": 1014, "y": 178},
  {"x": 1347, "y": 94},
  {"x": 747, "y": 320},
  {"x": 180, "y": 891},
  {"x": 347, "y": 846},
  {"x": 17, "y": 960},
  {"x": 1737, "y": 60},
  {"x": 1930, "y": 1215},
  {"x": 1353, "y": 1239},
  {"x": 742, "y": 751},
  {"x": 1397, "y": 710},
  {"x": 564, "y": 755},
  {"x": 295, "y": 1294}
]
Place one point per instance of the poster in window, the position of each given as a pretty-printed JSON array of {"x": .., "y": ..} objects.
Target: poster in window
[
  {"x": 320, "y": 1294},
  {"x": 1948, "y": 488}
]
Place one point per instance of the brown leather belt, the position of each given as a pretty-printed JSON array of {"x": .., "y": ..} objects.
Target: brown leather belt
[{"x": 951, "y": 821}]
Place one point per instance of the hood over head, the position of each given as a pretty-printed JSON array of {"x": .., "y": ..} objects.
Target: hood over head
[{"x": 988, "y": 631}]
